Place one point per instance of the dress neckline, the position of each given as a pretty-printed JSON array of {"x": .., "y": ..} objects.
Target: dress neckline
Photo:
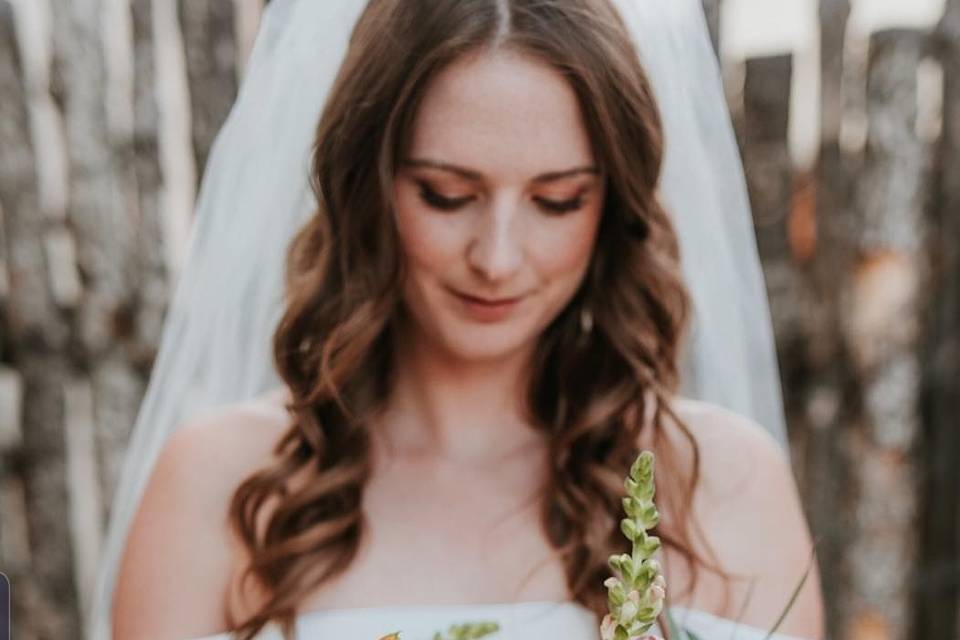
[
  {"x": 412, "y": 608},
  {"x": 444, "y": 606},
  {"x": 681, "y": 614},
  {"x": 699, "y": 618}
]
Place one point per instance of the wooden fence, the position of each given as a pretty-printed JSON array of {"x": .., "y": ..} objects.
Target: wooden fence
[
  {"x": 861, "y": 263},
  {"x": 861, "y": 256}
]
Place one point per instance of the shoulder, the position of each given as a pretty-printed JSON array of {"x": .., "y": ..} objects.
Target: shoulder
[
  {"x": 732, "y": 449},
  {"x": 236, "y": 436},
  {"x": 748, "y": 507},
  {"x": 732, "y": 446},
  {"x": 179, "y": 555}
]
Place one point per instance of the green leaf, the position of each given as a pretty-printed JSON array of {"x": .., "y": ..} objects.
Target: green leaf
[
  {"x": 649, "y": 546},
  {"x": 650, "y": 517}
]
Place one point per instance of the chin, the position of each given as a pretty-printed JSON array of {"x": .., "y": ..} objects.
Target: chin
[{"x": 485, "y": 343}]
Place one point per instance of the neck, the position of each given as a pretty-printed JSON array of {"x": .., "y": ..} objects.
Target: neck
[{"x": 451, "y": 409}]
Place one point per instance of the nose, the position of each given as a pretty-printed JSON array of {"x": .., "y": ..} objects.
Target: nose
[{"x": 496, "y": 249}]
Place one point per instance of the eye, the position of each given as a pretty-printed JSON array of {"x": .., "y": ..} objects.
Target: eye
[
  {"x": 564, "y": 206},
  {"x": 433, "y": 199}
]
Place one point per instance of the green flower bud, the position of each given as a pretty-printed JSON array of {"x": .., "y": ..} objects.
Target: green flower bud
[{"x": 637, "y": 590}]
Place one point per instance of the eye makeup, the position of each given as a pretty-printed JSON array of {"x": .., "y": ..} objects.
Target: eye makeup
[
  {"x": 563, "y": 206},
  {"x": 431, "y": 198}
]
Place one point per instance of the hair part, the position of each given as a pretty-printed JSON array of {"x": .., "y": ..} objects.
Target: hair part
[{"x": 592, "y": 395}]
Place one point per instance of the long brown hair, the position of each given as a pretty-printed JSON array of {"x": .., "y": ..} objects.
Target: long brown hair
[{"x": 592, "y": 393}]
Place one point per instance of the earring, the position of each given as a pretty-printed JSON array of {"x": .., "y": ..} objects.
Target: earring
[{"x": 586, "y": 320}]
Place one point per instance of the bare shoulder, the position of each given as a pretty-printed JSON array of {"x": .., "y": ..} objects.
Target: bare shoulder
[
  {"x": 179, "y": 554},
  {"x": 733, "y": 448},
  {"x": 748, "y": 506}
]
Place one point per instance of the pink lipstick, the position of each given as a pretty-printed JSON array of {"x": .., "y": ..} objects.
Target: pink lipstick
[{"x": 485, "y": 309}]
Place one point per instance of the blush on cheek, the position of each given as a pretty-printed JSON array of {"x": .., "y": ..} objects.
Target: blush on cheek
[
  {"x": 567, "y": 250},
  {"x": 428, "y": 239}
]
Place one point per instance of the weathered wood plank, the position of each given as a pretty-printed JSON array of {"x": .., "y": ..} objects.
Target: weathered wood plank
[
  {"x": 11, "y": 410},
  {"x": 769, "y": 171},
  {"x": 823, "y": 372},
  {"x": 210, "y": 45},
  {"x": 18, "y": 196},
  {"x": 938, "y": 590},
  {"x": 119, "y": 377},
  {"x": 112, "y": 215},
  {"x": 26, "y": 599},
  {"x": 4, "y": 276},
  {"x": 98, "y": 206},
  {"x": 60, "y": 251},
  {"x": 85, "y": 495},
  {"x": 834, "y": 15},
  {"x": 883, "y": 313},
  {"x": 153, "y": 287},
  {"x": 44, "y": 597},
  {"x": 786, "y": 238}
]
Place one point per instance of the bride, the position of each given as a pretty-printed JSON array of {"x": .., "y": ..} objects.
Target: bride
[{"x": 484, "y": 319}]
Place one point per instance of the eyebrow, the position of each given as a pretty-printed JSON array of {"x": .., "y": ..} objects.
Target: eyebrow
[{"x": 476, "y": 176}]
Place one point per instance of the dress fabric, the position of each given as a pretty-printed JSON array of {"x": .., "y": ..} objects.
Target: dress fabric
[{"x": 518, "y": 621}]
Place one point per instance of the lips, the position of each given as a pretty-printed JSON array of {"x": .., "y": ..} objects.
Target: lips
[
  {"x": 488, "y": 301},
  {"x": 486, "y": 310}
]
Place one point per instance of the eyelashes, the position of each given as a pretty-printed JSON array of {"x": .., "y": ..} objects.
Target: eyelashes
[
  {"x": 436, "y": 201},
  {"x": 561, "y": 207},
  {"x": 433, "y": 199}
]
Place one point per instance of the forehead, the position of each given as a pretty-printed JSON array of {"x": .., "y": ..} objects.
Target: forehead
[{"x": 503, "y": 114}]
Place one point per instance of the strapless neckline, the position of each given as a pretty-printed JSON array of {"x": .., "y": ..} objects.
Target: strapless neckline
[
  {"x": 573, "y": 613},
  {"x": 411, "y": 608}
]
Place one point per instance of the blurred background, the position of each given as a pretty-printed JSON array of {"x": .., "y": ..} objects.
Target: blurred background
[{"x": 848, "y": 118}]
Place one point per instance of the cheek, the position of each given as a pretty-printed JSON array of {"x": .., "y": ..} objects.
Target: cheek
[
  {"x": 428, "y": 239},
  {"x": 564, "y": 247}
]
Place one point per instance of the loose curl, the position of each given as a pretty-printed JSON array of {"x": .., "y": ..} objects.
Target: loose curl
[{"x": 591, "y": 394}]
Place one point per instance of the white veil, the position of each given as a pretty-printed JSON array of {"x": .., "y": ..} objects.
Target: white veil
[{"x": 216, "y": 342}]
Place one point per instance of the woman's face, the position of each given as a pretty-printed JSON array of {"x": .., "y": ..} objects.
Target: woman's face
[{"x": 498, "y": 200}]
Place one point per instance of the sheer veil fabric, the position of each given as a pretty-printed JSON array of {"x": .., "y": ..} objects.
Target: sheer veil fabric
[{"x": 215, "y": 347}]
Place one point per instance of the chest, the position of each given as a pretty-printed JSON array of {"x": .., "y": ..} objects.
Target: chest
[
  {"x": 444, "y": 534},
  {"x": 453, "y": 535}
]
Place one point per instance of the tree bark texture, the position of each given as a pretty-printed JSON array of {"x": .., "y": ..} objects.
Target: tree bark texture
[
  {"x": 34, "y": 470},
  {"x": 938, "y": 588},
  {"x": 84, "y": 344},
  {"x": 784, "y": 220},
  {"x": 827, "y": 386},
  {"x": 209, "y": 37},
  {"x": 883, "y": 314},
  {"x": 834, "y": 15}
]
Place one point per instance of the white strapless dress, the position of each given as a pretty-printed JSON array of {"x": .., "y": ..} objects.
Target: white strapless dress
[{"x": 518, "y": 621}]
